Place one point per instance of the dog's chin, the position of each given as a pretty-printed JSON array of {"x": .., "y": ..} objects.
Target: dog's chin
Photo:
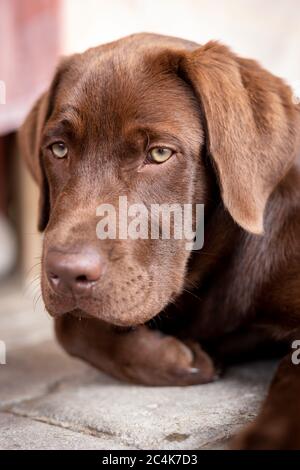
[
  {"x": 81, "y": 315},
  {"x": 130, "y": 317}
]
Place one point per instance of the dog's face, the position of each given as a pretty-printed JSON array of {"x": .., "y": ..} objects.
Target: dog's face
[
  {"x": 132, "y": 119},
  {"x": 115, "y": 116}
]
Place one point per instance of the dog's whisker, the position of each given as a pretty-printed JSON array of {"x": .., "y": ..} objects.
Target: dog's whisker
[{"x": 191, "y": 293}]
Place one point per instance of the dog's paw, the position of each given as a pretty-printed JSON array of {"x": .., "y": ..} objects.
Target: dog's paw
[
  {"x": 167, "y": 361},
  {"x": 141, "y": 356}
]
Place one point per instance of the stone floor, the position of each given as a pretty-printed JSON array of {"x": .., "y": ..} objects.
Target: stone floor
[{"x": 50, "y": 401}]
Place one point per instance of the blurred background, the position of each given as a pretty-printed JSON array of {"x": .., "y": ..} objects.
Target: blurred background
[{"x": 35, "y": 33}]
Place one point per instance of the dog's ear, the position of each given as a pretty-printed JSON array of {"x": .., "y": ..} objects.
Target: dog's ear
[
  {"x": 29, "y": 147},
  {"x": 29, "y": 140},
  {"x": 252, "y": 125}
]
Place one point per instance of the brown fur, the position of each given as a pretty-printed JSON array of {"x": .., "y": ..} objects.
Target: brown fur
[{"x": 236, "y": 134}]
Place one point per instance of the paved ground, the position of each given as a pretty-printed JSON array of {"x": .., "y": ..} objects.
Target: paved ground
[{"x": 50, "y": 401}]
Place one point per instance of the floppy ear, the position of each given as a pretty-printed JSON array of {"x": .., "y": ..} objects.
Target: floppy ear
[
  {"x": 29, "y": 140},
  {"x": 29, "y": 146},
  {"x": 252, "y": 124}
]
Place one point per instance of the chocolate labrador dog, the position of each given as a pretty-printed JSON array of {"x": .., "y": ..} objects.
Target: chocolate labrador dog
[{"x": 164, "y": 120}]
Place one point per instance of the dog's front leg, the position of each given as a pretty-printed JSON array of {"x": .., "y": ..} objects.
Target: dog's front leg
[
  {"x": 277, "y": 426},
  {"x": 141, "y": 355}
]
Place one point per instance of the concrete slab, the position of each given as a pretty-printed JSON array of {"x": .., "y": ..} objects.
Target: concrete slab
[{"x": 18, "y": 433}]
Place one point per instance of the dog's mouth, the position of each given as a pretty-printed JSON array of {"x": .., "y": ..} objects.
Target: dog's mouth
[
  {"x": 81, "y": 315},
  {"x": 119, "y": 315}
]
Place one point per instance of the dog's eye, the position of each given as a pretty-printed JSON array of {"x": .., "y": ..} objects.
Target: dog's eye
[
  {"x": 160, "y": 154},
  {"x": 59, "y": 150}
]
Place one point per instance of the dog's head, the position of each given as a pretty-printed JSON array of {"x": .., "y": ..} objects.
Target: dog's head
[{"x": 150, "y": 118}]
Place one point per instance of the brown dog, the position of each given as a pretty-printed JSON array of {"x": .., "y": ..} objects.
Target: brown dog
[{"x": 231, "y": 134}]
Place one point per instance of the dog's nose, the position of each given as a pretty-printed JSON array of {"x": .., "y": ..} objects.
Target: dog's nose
[{"x": 75, "y": 272}]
